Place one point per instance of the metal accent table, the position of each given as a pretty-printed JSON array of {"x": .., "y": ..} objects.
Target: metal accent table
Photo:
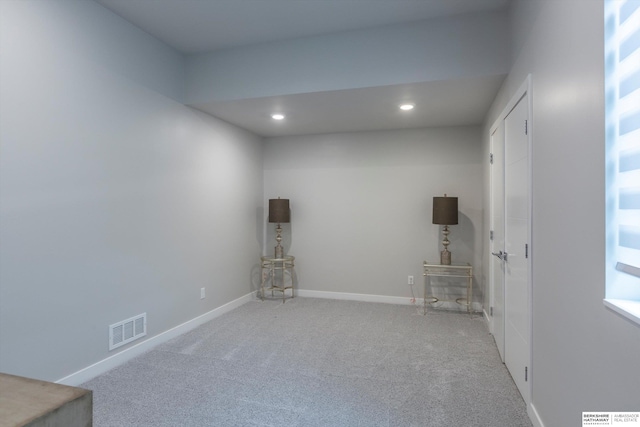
[
  {"x": 274, "y": 268},
  {"x": 454, "y": 270}
]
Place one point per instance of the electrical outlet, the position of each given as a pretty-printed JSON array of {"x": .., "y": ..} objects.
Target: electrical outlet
[
  {"x": 410, "y": 280},
  {"x": 202, "y": 293}
]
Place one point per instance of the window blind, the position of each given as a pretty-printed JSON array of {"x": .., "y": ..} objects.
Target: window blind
[{"x": 622, "y": 62}]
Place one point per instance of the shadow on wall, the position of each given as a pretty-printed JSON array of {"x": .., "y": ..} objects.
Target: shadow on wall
[
  {"x": 462, "y": 238},
  {"x": 260, "y": 226},
  {"x": 269, "y": 247},
  {"x": 259, "y": 274},
  {"x": 255, "y": 277},
  {"x": 267, "y": 242}
]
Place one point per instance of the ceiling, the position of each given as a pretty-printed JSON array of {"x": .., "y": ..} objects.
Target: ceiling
[
  {"x": 200, "y": 26},
  {"x": 203, "y": 26},
  {"x": 446, "y": 103}
]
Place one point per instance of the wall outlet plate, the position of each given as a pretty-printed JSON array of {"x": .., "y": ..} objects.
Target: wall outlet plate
[{"x": 410, "y": 280}]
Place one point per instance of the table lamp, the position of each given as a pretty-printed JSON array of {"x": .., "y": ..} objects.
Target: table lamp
[
  {"x": 445, "y": 212},
  {"x": 279, "y": 213}
]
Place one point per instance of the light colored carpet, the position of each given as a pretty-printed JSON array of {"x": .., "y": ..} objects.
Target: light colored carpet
[{"x": 314, "y": 362}]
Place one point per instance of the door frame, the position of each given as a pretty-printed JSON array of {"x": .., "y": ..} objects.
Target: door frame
[
  {"x": 525, "y": 89},
  {"x": 496, "y": 179}
]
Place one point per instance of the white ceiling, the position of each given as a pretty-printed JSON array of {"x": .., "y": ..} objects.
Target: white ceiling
[
  {"x": 202, "y": 26},
  {"x": 446, "y": 103}
]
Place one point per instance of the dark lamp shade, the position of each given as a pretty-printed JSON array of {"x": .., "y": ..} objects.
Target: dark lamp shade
[
  {"x": 279, "y": 210},
  {"x": 445, "y": 210}
]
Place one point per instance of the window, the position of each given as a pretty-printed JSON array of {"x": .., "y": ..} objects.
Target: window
[{"x": 622, "y": 98}]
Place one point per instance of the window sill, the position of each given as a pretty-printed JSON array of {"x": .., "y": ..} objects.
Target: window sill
[{"x": 626, "y": 308}]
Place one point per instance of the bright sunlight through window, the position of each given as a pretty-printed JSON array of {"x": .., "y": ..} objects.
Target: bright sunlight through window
[{"x": 622, "y": 98}]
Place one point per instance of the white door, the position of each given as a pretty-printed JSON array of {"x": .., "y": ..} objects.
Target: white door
[
  {"x": 496, "y": 266},
  {"x": 517, "y": 260}
]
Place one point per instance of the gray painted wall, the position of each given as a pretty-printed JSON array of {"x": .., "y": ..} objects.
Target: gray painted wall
[
  {"x": 585, "y": 357},
  {"x": 133, "y": 203},
  {"x": 361, "y": 205},
  {"x": 81, "y": 33},
  {"x": 462, "y": 46},
  {"x": 114, "y": 198}
]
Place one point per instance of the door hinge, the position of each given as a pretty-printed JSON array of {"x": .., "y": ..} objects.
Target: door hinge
[
  {"x": 491, "y": 158},
  {"x": 526, "y": 373},
  {"x": 526, "y": 127},
  {"x": 526, "y": 250},
  {"x": 491, "y": 235},
  {"x": 491, "y": 311}
]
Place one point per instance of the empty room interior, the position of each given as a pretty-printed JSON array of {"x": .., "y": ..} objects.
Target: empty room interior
[{"x": 141, "y": 163}]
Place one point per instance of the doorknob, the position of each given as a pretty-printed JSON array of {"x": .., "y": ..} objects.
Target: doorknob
[{"x": 501, "y": 255}]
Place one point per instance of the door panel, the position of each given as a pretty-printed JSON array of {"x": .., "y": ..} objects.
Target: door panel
[{"x": 516, "y": 280}]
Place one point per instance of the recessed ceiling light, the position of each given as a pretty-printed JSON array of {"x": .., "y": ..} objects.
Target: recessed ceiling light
[
  {"x": 407, "y": 107},
  {"x": 277, "y": 116}
]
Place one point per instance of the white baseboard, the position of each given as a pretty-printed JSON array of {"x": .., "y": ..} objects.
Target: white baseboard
[
  {"x": 533, "y": 416},
  {"x": 487, "y": 319},
  {"x": 448, "y": 305},
  {"x": 353, "y": 297},
  {"x": 118, "y": 359}
]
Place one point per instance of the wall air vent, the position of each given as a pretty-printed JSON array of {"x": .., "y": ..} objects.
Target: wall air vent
[{"x": 124, "y": 332}]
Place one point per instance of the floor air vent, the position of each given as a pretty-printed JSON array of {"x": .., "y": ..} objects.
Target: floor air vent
[{"x": 128, "y": 330}]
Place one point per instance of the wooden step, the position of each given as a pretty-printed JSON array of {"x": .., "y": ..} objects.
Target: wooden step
[{"x": 35, "y": 403}]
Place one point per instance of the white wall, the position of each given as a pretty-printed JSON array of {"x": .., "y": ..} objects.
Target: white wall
[
  {"x": 585, "y": 357},
  {"x": 361, "y": 205},
  {"x": 114, "y": 198},
  {"x": 440, "y": 49}
]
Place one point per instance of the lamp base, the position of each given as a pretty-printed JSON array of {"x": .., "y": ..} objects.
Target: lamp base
[
  {"x": 445, "y": 257},
  {"x": 278, "y": 249}
]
